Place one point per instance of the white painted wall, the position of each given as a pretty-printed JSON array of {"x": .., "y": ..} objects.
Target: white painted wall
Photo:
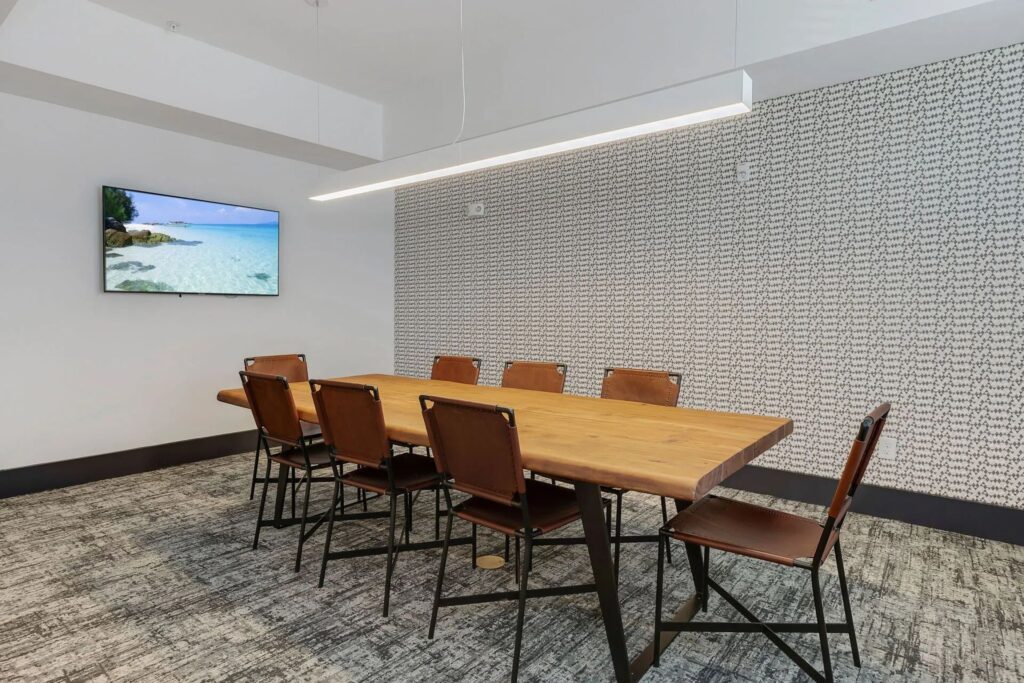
[{"x": 86, "y": 372}]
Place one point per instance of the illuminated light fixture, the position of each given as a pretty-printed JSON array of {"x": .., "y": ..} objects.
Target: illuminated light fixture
[{"x": 712, "y": 98}]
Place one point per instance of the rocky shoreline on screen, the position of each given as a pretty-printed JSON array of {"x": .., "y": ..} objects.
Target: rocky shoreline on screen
[{"x": 116, "y": 235}]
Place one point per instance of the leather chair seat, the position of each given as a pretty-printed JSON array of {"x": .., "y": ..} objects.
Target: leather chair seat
[
  {"x": 550, "y": 507},
  {"x": 292, "y": 457},
  {"x": 310, "y": 430},
  {"x": 412, "y": 472},
  {"x": 747, "y": 529}
]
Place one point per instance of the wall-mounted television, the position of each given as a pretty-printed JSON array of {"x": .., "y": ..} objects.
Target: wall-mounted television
[{"x": 175, "y": 245}]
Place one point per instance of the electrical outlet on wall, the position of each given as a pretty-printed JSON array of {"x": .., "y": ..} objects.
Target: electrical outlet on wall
[
  {"x": 885, "y": 449},
  {"x": 476, "y": 209},
  {"x": 743, "y": 172}
]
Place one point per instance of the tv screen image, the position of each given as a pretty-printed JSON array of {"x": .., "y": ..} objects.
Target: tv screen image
[{"x": 161, "y": 243}]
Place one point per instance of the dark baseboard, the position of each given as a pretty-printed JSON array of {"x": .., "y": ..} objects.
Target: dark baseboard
[
  {"x": 53, "y": 475},
  {"x": 949, "y": 514}
]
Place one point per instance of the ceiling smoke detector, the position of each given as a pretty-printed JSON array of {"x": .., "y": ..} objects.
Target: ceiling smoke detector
[{"x": 173, "y": 26}]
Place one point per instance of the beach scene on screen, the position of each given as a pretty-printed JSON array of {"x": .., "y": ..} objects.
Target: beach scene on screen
[{"x": 156, "y": 243}]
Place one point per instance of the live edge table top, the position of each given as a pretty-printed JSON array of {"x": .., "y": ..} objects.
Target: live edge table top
[{"x": 674, "y": 452}]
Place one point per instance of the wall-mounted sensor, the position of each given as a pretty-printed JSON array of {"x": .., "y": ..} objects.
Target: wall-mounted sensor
[{"x": 476, "y": 210}]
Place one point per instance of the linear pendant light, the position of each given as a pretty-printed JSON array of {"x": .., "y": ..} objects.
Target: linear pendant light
[{"x": 711, "y": 98}]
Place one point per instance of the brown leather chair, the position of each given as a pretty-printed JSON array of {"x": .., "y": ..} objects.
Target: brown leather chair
[
  {"x": 353, "y": 427},
  {"x": 476, "y": 448},
  {"x": 779, "y": 537},
  {"x": 292, "y": 367},
  {"x": 525, "y": 374},
  {"x": 277, "y": 420},
  {"x": 655, "y": 387},
  {"x": 461, "y": 369}
]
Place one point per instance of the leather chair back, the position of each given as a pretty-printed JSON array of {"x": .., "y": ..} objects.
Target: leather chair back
[
  {"x": 523, "y": 374},
  {"x": 291, "y": 366},
  {"x": 643, "y": 386},
  {"x": 352, "y": 421},
  {"x": 857, "y": 462},
  {"x": 273, "y": 407},
  {"x": 461, "y": 369},
  {"x": 476, "y": 446}
]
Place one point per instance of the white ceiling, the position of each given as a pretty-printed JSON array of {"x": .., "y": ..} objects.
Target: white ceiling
[
  {"x": 531, "y": 59},
  {"x": 385, "y": 49},
  {"x": 372, "y": 48},
  {"x": 525, "y": 60}
]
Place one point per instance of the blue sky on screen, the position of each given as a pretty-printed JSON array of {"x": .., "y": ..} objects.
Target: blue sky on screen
[{"x": 154, "y": 208}]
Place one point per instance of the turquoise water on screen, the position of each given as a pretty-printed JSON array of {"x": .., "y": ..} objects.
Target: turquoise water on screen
[{"x": 203, "y": 259}]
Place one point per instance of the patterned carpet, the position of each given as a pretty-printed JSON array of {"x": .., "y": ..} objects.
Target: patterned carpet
[{"x": 151, "y": 577}]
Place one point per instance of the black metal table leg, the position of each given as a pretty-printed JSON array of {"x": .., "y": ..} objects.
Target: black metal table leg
[
  {"x": 685, "y": 612},
  {"x": 592, "y": 509},
  {"x": 282, "y": 492}
]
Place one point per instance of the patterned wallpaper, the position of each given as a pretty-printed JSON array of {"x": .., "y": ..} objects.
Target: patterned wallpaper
[{"x": 877, "y": 253}]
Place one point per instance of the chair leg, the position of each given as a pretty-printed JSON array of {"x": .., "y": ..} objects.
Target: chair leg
[
  {"x": 255, "y": 469},
  {"x": 662, "y": 542},
  {"x": 522, "y": 607},
  {"x": 707, "y": 573},
  {"x": 308, "y": 476},
  {"x": 846, "y": 605},
  {"x": 391, "y": 551},
  {"x": 518, "y": 553},
  {"x": 697, "y": 570},
  {"x": 407, "y": 525},
  {"x": 440, "y": 571},
  {"x": 819, "y": 609},
  {"x": 362, "y": 492},
  {"x": 508, "y": 543},
  {"x": 263, "y": 502},
  {"x": 618, "y": 530},
  {"x": 472, "y": 559},
  {"x": 664, "y": 520},
  {"x": 330, "y": 531},
  {"x": 437, "y": 513},
  {"x": 291, "y": 475}
]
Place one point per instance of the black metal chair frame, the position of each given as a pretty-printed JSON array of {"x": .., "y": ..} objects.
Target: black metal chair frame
[
  {"x": 699, "y": 568},
  {"x": 393, "y": 548},
  {"x": 307, "y": 477},
  {"x": 529, "y": 536},
  {"x": 256, "y": 479}
]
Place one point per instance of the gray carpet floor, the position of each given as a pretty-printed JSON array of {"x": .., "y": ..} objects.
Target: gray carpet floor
[{"x": 152, "y": 577}]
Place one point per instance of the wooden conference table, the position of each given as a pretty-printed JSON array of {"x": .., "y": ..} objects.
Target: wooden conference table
[{"x": 679, "y": 453}]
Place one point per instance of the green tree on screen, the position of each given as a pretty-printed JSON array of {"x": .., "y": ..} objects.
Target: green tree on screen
[{"x": 118, "y": 205}]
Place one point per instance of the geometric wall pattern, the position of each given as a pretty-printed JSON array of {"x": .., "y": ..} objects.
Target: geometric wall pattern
[{"x": 877, "y": 253}]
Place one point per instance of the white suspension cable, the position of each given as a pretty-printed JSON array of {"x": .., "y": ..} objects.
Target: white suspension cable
[
  {"x": 462, "y": 65},
  {"x": 316, "y": 66},
  {"x": 736, "y": 35}
]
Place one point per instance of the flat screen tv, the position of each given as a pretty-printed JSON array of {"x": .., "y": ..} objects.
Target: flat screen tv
[{"x": 175, "y": 245}]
